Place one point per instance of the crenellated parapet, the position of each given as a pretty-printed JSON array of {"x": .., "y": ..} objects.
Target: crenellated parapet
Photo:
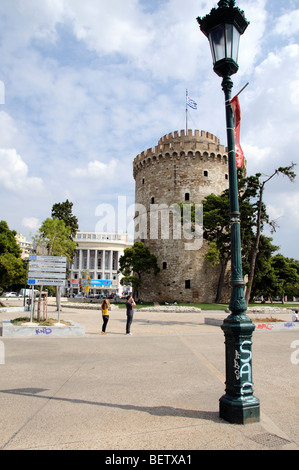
[
  {"x": 197, "y": 144},
  {"x": 195, "y": 135}
]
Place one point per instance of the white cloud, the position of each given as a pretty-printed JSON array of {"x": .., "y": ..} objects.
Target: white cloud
[
  {"x": 255, "y": 155},
  {"x": 114, "y": 27},
  {"x": 270, "y": 111},
  {"x": 34, "y": 19},
  {"x": 288, "y": 24},
  {"x": 163, "y": 43},
  {"x": 8, "y": 130},
  {"x": 275, "y": 212},
  {"x": 251, "y": 40},
  {"x": 97, "y": 169},
  {"x": 14, "y": 173},
  {"x": 31, "y": 223},
  {"x": 291, "y": 202}
]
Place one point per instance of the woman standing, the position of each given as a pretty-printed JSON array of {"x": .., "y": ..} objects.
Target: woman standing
[{"x": 105, "y": 314}]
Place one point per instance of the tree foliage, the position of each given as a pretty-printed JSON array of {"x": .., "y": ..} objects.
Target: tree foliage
[
  {"x": 256, "y": 248},
  {"x": 55, "y": 237},
  {"x": 253, "y": 191},
  {"x": 216, "y": 223},
  {"x": 136, "y": 261},
  {"x": 63, "y": 211},
  {"x": 287, "y": 278},
  {"x": 12, "y": 268}
]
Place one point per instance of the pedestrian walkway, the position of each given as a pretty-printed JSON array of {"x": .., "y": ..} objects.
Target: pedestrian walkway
[{"x": 158, "y": 389}]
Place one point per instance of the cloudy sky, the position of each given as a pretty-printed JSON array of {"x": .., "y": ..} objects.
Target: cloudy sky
[{"x": 87, "y": 85}]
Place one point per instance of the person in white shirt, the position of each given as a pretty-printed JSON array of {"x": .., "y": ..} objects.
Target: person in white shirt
[{"x": 295, "y": 315}]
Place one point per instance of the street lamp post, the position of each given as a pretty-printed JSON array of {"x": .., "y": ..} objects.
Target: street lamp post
[{"x": 223, "y": 26}]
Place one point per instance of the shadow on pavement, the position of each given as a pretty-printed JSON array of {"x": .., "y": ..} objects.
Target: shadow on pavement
[{"x": 153, "y": 410}]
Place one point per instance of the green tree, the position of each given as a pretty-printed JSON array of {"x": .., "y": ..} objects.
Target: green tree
[
  {"x": 254, "y": 187},
  {"x": 293, "y": 289},
  {"x": 286, "y": 275},
  {"x": 216, "y": 224},
  {"x": 265, "y": 279},
  {"x": 64, "y": 211},
  {"x": 136, "y": 261},
  {"x": 12, "y": 268},
  {"x": 55, "y": 237},
  {"x": 253, "y": 217}
]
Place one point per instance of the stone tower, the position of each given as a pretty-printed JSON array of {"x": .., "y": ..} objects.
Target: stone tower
[{"x": 180, "y": 169}]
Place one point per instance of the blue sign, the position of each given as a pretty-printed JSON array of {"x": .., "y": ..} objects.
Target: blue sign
[
  {"x": 100, "y": 282},
  {"x": 31, "y": 282}
]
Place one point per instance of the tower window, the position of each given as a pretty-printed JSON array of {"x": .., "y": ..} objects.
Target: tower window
[
  {"x": 188, "y": 284},
  {"x": 187, "y": 196},
  {"x": 142, "y": 180},
  {"x": 206, "y": 173},
  {"x": 226, "y": 176},
  {"x": 152, "y": 200},
  {"x": 164, "y": 265}
]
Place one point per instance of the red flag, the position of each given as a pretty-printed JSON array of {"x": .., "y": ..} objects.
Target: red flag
[{"x": 240, "y": 160}]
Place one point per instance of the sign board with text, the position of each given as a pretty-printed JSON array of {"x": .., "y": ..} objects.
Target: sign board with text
[
  {"x": 48, "y": 259},
  {"x": 46, "y": 282},
  {"x": 47, "y": 270}
]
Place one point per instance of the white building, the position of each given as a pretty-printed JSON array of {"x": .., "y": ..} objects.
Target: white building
[
  {"x": 96, "y": 263},
  {"x": 26, "y": 246}
]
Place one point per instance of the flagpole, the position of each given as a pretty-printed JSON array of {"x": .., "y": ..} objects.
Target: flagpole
[
  {"x": 241, "y": 90},
  {"x": 192, "y": 105},
  {"x": 186, "y": 112}
]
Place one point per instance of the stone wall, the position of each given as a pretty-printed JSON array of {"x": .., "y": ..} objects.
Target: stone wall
[{"x": 180, "y": 169}]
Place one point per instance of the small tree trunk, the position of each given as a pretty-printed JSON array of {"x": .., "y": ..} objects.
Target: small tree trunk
[
  {"x": 223, "y": 264},
  {"x": 39, "y": 303},
  {"x": 255, "y": 249},
  {"x": 57, "y": 297}
]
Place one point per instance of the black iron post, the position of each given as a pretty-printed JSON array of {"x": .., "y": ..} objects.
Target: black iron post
[{"x": 224, "y": 26}]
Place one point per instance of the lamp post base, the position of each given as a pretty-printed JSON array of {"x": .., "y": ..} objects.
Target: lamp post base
[
  {"x": 239, "y": 412},
  {"x": 239, "y": 405}
]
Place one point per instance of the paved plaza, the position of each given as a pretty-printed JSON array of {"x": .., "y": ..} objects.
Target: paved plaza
[{"x": 158, "y": 389}]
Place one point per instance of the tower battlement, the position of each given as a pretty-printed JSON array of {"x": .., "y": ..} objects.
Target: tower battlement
[
  {"x": 179, "y": 142},
  {"x": 197, "y": 135}
]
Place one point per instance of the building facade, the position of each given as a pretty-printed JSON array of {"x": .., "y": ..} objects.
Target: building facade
[
  {"x": 182, "y": 168},
  {"x": 96, "y": 262},
  {"x": 25, "y": 245}
]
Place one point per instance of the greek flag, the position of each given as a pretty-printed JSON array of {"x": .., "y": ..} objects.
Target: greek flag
[{"x": 191, "y": 103}]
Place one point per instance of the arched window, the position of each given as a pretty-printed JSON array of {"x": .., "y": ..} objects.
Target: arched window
[
  {"x": 164, "y": 265},
  {"x": 187, "y": 197}
]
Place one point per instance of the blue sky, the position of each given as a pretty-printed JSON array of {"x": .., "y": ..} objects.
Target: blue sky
[{"x": 89, "y": 85}]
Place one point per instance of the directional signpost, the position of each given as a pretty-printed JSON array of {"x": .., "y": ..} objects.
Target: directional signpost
[{"x": 46, "y": 271}]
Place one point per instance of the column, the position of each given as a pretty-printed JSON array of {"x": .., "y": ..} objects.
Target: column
[
  {"x": 80, "y": 261},
  {"x": 88, "y": 259},
  {"x": 95, "y": 264},
  {"x": 110, "y": 261},
  {"x": 103, "y": 264}
]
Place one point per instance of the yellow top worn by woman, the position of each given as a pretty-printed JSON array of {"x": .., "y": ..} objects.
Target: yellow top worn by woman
[{"x": 105, "y": 306}]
